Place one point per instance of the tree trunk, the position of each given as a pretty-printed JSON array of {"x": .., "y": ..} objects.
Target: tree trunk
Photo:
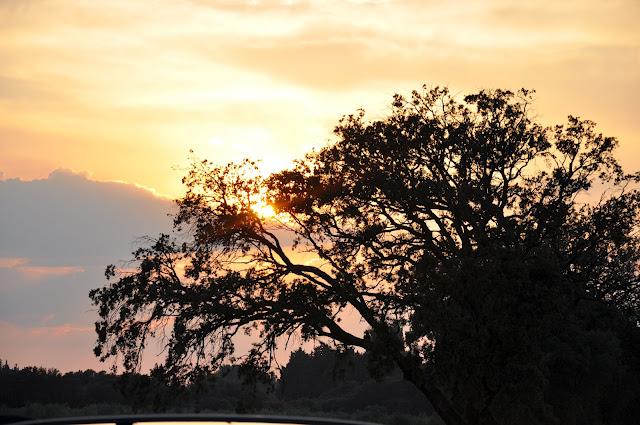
[{"x": 413, "y": 373}]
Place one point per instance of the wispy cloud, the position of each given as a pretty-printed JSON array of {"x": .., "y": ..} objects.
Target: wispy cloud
[
  {"x": 63, "y": 330},
  {"x": 37, "y": 272},
  {"x": 45, "y": 272},
  {"x": 12, "y": 262}
]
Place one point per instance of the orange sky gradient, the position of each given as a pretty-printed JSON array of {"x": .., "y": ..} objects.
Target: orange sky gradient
[{"x": 123, "y": 89}]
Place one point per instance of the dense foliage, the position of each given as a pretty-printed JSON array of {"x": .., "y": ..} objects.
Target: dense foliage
[{"x": 493, "y": 260}]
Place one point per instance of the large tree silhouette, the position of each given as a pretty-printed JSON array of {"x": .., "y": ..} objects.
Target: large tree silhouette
[{"x": 494, "y": 261}]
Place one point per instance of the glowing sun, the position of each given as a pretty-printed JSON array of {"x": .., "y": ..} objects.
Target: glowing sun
[{"x": 263, "y": 210}]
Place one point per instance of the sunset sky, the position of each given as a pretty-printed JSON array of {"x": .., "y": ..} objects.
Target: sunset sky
[{"x": 101, "y": 101}]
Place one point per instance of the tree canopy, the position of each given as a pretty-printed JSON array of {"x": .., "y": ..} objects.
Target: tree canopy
[{"x": 495, "y": 261}]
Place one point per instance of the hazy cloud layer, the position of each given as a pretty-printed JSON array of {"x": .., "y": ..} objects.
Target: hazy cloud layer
[{"x": 110, "y": 86}]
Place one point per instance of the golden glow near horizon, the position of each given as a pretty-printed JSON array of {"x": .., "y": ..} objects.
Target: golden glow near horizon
[{"x": 123, "y": 90}]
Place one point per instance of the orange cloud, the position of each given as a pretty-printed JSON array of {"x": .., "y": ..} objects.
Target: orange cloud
[
  {"x": 44, "y": 272},
  {"x": 12, "y": 262},
  {"x": 58, "y": 331},
  {"x": 37, "y": 272}
]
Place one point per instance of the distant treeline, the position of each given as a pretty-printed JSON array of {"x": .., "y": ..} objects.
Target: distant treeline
[{"x": 324, "y": 382}]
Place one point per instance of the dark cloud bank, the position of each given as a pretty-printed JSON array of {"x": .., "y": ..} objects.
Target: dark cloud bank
[
  {"x": 56, "y": 237},
  {"x": 68, "y": 217}
]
